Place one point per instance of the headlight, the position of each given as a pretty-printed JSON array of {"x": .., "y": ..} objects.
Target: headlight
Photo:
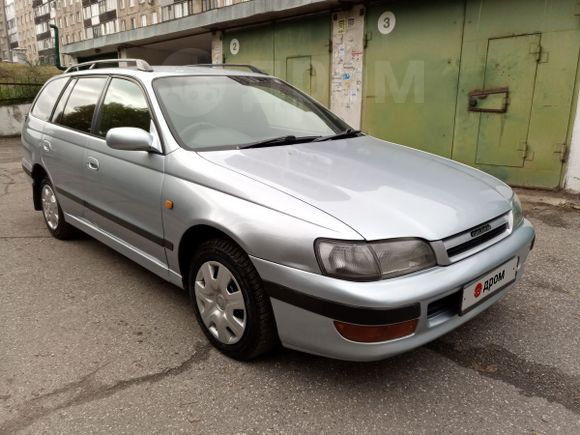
[
  {"x": 517, "y": 212},
  {"x": 361, "y": 261}
]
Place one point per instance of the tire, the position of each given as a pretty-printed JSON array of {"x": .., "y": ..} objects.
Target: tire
[
  {"x": 220, "y": 319},
  {"x": 52, "y": 213}
]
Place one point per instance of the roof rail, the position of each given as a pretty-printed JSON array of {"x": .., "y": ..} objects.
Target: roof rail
[
  {"x": 232, "y": 65},
  {"x": 139, "y": 63}
]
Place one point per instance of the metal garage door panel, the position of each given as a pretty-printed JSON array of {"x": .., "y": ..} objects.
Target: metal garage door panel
[
  {"x": 511, "y": 65},
  {"x": 299, "y": 72},
  {"x": 253, "y": 46},
  {"x": 549, "y": 118},
  {"x": 411, "y": 73},
  {"x": 298, "y": 39}
]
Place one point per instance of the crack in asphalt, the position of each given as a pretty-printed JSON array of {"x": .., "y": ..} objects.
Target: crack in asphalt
[
  {"x": 11, "y": 181},
  {"x": 532, "y": 379},
  {"x": 88, "y": 389}
]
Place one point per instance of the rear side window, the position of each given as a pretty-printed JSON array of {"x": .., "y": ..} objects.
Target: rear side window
[
  {"x": 59, "y": 110},
  {"x": 47, "y": 98},
  {"x": 80, "y": 107},
  {"x": 124, "y": 105}
]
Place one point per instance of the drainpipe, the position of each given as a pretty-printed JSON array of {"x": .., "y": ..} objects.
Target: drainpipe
[{"x": 56, "y": 47}]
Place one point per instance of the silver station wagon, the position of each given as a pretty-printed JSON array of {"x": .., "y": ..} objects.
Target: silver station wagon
[{"x": 284, "y": 224}]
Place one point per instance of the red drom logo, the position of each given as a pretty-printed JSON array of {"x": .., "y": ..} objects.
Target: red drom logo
[{"x": 477, "y": 291}]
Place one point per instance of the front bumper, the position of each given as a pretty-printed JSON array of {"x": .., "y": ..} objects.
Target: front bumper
[{"x": 306, "y": 304}]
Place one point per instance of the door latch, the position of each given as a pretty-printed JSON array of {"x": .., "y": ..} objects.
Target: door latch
[{"x": 478, "y": 100}]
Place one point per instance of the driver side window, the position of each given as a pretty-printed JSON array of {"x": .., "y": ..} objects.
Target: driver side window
[{"x": 124, "y": 105}]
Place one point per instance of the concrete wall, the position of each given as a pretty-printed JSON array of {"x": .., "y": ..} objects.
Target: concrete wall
[
  {"x": 12, "y": 118},
  {"x": 217, "y": 48},
  {"x": 348, "y": 29},
  {"x": 572, "y": 181}
]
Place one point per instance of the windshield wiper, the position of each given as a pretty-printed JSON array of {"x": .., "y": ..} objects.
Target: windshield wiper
[
  {"x": 342, "y": 135},
  {"x": 276, "y": 141}
]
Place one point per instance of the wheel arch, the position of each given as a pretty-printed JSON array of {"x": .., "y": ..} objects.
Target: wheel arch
[
  {"x": 38, "y": 174},
  {"x": 192, "y": 239}
]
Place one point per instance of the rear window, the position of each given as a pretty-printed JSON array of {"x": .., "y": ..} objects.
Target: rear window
[
  {"x": 47, "y": 98},
  {"x": 80, "y": 107}
]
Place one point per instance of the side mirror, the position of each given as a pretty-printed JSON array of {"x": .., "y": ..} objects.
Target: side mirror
[{"x": 130, "y": 139}]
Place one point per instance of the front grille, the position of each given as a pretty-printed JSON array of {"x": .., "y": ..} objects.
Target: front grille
[
  {"x": 467, "y": 242},
  {"x": 464, "y": 247}
]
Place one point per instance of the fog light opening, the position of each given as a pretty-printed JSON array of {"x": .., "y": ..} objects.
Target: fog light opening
[{"x": 375, "y": 333}]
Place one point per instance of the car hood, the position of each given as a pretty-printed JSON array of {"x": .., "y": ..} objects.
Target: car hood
[{"x": 380, "y": 189}]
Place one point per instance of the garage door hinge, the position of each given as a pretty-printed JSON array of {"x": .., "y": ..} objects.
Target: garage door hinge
[
  {"x": 536, "y": 49},
  {"x": 527, "y": 153},
  {"x": 368, "y": 37},
  {"x": 562, "y": 149}
]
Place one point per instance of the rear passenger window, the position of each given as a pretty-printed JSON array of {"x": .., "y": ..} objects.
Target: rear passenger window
[
  {"x": 80, "y": 107},
  {"x": 47, "y": 98},
  {"x": 59, "y": 111},
  {"x": 124, "y": 105}
]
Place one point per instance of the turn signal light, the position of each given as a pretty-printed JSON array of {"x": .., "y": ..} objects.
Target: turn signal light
[{"x": 375, "y": 334}]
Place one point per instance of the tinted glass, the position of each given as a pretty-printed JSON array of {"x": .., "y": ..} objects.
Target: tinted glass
[
  {"x": 80, "y": 107},
  {"x": 228, "y": 111},
  {"x": 124, "y": 105},
  {"x": 47, "y": 98},
  {"x": 59, "y": 111}
]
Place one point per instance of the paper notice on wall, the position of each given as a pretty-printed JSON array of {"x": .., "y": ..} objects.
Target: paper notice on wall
[{"x": 347, "y": 58}]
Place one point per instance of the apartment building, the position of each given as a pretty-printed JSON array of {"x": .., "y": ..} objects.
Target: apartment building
[
  {"x": 25, "y": 34},
  {"x": 70, "y": 21},
  {"x": 4, "y": 45},
  {"x": 133, "y": 14},
  {"x": 27, "y": 30},
  {"x": 44, "y": 15},
  {"x": 11, "y": 28}
]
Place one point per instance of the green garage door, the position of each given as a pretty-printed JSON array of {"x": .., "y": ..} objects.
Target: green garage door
[
  {"x": 411, "y": 71},
  {"x": 253, "y": 46},
  {"x": 297, "y": 51},
  {"x": 516, "y": 88}
]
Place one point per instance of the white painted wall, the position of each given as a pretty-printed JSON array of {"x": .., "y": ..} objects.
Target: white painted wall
[
  {"x": 347, "y": 65},
  {"x": 572, "y": 181},
  {"x": 217, "y": 48},
  {"x": 12, "y": 118}
]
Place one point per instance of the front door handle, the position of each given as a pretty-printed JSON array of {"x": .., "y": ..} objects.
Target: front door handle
[{"x": 93, "y": 164}]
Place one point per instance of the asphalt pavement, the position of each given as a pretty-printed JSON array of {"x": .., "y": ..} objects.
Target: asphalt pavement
[{"x": 91, "y": 342}]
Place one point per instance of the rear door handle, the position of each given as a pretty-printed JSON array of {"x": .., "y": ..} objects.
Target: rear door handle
[
  {"x": 93, "y": 164},
  {"x": 46, "y": 146}
]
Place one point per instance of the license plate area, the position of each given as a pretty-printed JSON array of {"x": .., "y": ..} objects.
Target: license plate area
[{"x": 486, "y": 285}]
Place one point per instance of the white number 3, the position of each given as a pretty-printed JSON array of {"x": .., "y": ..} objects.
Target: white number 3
[{"x": 387, "y": 22}]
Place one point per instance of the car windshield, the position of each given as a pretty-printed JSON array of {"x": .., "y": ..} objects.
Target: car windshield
[{"x": 221, "y": 112}]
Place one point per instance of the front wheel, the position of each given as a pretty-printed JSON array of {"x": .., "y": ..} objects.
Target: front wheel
[{"x": 229, "y": 301}]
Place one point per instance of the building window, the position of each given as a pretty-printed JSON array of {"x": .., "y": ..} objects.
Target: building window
[
  {"x": 167, "y": 13},
  {"x": 207, "y": 5}
]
